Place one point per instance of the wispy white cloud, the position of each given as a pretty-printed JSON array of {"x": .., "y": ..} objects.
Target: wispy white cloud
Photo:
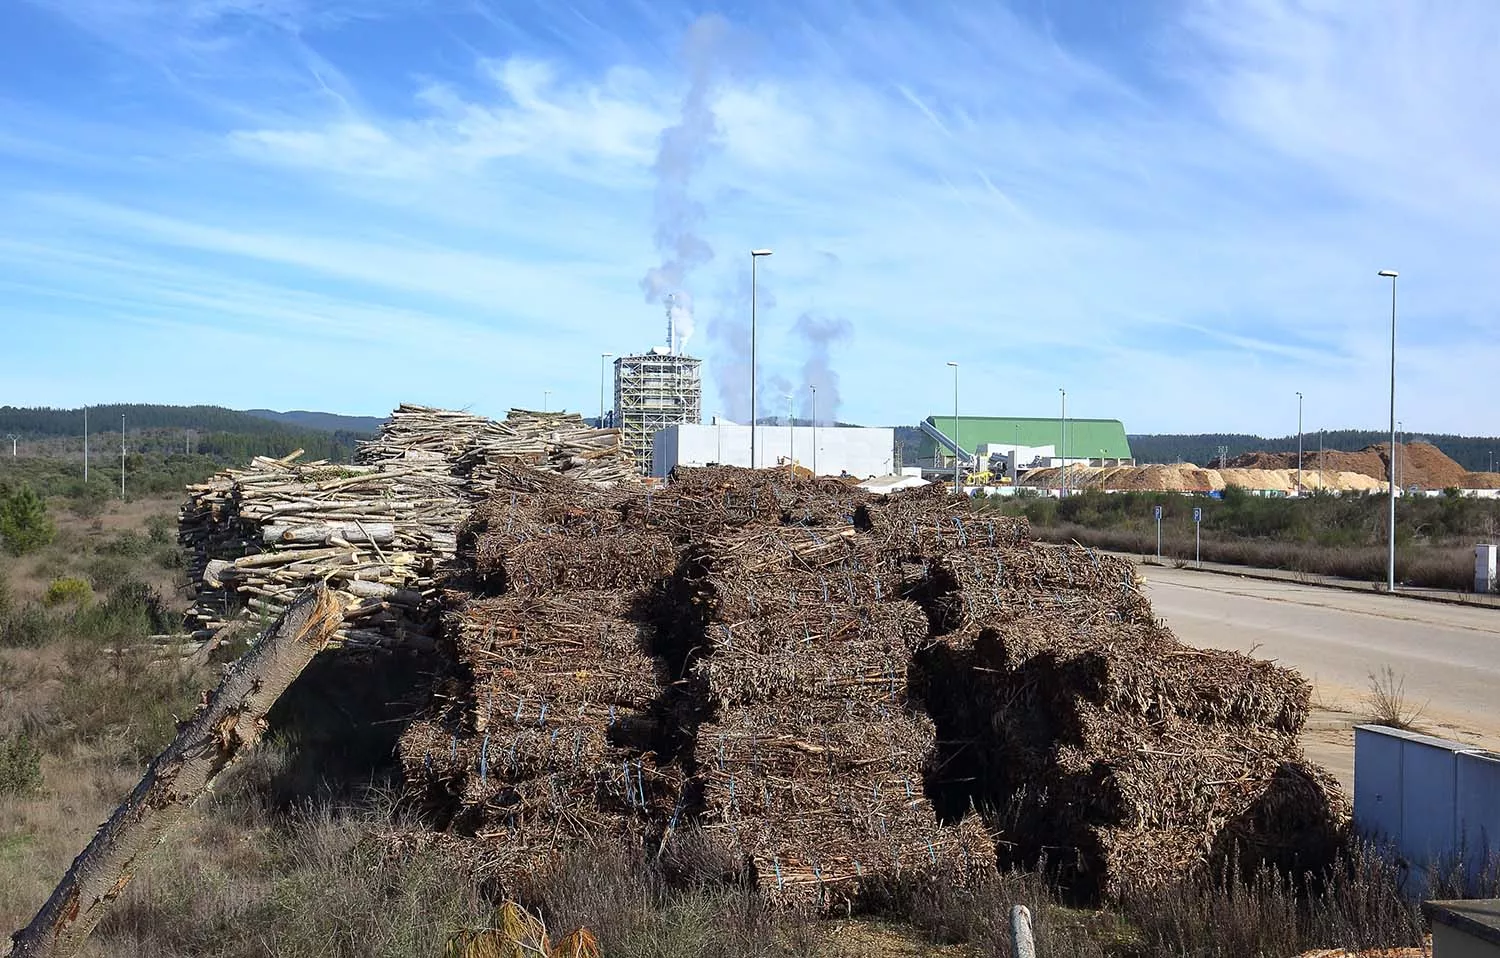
[{"x": 1168, "y": 222}]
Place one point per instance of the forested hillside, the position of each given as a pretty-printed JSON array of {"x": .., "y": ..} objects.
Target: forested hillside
[{"x": 223, "y": 434}]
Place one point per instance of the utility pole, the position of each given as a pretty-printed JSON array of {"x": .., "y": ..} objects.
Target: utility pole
[
  {"x": 1390, "y": 573},
  {"x": 791, "y": 434},
  {"x": 957, "y": 446},
  {"x": 755, "y": 254},
  {"x": 1063, "y": 452},
  {"x": 604, "y": 359},
  {"x": 815, "y": 428},
  {"x": 85, "y": 445},
  {"x": 122, "y": 457},
  {"x": 1299, "y": 445},
  {"x": 546, "y": 394}
]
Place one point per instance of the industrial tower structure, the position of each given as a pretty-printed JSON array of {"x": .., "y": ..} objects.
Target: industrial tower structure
[{"x": 654, "y": 390}]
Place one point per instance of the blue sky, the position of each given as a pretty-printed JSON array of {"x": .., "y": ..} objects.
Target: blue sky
[{"x": 1176, "y": 210}]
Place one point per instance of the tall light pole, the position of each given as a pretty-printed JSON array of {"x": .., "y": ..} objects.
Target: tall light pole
[
  {"x": 1390, "y": 569},
  {"x": 719, "y": 428},
  {"x": 1400, "y": 444},
  {"x": 546, "y": 394},
  {"x": 957, "y": 446},
  {"x": 122, "y": 457},
  {"x": 604, "y": 359},
  {"x": 1063, "y": 452},
  {"x": 815, "y": 428},
  {"x": 1299, "y": 445},
  {"x": 755, "y": 254},
  {"x": 85, "y": 445},
  {"x": 791, "y": 435}
]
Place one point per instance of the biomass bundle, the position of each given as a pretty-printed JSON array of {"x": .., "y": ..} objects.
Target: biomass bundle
[
  {"x": 809, "y": 756},
  {"x": 841, "y": 692},
  {"x": 1090, "y": 737},
  {"x": 552, "y": 729},
  {"x": 714, "y": 500}
]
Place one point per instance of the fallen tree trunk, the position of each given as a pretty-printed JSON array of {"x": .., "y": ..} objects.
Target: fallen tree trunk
[{"x": 229, "y": 723}]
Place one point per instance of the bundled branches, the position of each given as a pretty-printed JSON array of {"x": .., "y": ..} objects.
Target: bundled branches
[{"x": 839, "y": 690}]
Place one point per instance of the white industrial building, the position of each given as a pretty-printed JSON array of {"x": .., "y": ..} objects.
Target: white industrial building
[{"x": 827, "y": 450}]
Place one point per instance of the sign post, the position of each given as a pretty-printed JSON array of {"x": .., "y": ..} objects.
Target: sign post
[
  {"x": 1158, "y": 532},
  {"x": 1198, "y": 534}
]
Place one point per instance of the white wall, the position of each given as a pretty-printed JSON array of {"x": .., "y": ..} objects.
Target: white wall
[
  {"x": 1436, "y": 800},
  {"x": 862, "y": 452}
]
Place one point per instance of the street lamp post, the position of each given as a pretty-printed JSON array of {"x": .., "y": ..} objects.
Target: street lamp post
[
  {"x": 957, "y": 446},
  {"x": 1299, "y": 445},
  {"x": 815, "y": 428},
  {"x": 1390, "y": 570},
  {"x": 1400, "y": 453},
  {"x": 604, "y": 359},
  {"x": 755, "y": 254},
  {"x": 1063, "y": 452},
  {"x": 791, "y": 435}
]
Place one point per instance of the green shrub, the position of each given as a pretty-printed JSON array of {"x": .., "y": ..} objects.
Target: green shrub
[
  {"x": 129, "y": 544},
  {"x": 67, "y": 590},
  {"x": 161, "y": 530},
  {"x": 24, "y": 523},
  {"x": 132, "y": 611},
  {"x": 87, "y": 501},
  {"x": 20, "y": 765},
  {"x": 109, "y": 571},
  {"x": 27, "y": 627},
  {"x": 170, "y": 557}
]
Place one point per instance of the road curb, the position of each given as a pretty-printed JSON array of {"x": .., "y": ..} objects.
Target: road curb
[{"x": 1346, "y": 586}]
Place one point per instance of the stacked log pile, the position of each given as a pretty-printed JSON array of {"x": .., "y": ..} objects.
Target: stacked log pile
[
  {"x": 384, "y": 534},
  {"x": 487, "y": 451}
]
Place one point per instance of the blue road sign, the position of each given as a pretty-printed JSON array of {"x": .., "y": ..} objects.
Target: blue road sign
[
  {"x": 1197, "y": 513},
  {"x": 1158, "y": 513}
]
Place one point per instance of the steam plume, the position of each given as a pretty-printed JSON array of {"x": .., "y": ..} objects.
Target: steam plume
[
  {"x": 818, "y": 334},
  {"x": 680, "y": 152}
]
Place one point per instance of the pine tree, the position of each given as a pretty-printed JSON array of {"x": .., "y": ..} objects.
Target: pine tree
[{"x": 24, "y": 523}]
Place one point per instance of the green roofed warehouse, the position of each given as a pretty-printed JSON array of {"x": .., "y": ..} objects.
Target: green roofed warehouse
[{"x": 1030, "y": 441}]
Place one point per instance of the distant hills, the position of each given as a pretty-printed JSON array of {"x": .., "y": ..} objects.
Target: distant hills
[
  {"x": 326, "y": 421},
  {"x": 226, "y": 435},
  {"x": 43, "y": 422}
]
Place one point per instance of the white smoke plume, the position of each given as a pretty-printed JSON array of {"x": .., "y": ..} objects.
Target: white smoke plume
[
  {"x": 818, "y": 335},
  {"x": 730, "y": 333},
  {"x": 681, "y": 151}
]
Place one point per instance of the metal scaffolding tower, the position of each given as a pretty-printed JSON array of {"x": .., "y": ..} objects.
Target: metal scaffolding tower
[{"x": 653, "y": 391}]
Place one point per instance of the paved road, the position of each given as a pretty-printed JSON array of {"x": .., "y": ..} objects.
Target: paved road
[{"x": 1449, "y": 656}]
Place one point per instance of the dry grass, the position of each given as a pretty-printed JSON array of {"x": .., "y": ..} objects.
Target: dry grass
[
  {"x": 1387, "y": 701},
  {"x": 261, "y": 871}
]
